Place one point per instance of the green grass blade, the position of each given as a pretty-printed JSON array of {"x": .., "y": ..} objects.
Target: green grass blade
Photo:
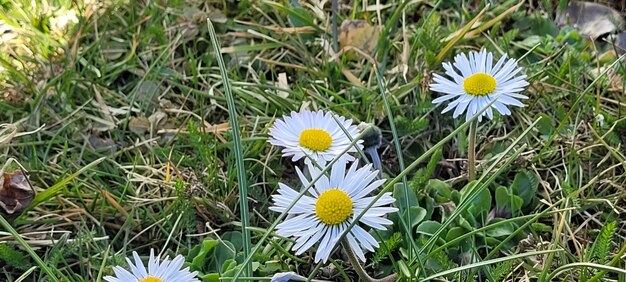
[
  {"x": 383, "y": 44},
  {"x": 44, "y": 267},
  {"x": 52, "y": 191},
  {"x": 604, "y": 268},
  {"x": 237, "y": 149},
  {"x": 459, "y": 36},
  {"x": 488, "y": 262}
]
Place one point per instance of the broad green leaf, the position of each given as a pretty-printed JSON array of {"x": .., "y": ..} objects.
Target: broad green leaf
[
  {"x": 501, "y": 230},
  {"x": 417, "y": 215},
  {"x": 454, "y": 233},
  {"x": 525, "y": 186},
  {"x": 401, "y": 197},
  {"x": 199, "y": 260},
  {"x": 428, "y": 227},
  {"x": 234, "y": 237},
  {"x": 439, "y": 190}
]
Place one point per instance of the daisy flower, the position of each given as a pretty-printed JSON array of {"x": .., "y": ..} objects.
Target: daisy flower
[
  {"x": 165, "y": 271},
  {"x": 314, "y": 134},
  {"x": 478, "y": 83},
  {"x": 330, "y": 206}
]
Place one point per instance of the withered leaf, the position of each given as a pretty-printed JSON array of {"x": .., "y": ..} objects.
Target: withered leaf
[
  {"x": 358, "y": 34},
  {"x": 590, "y": 19},
  {"x": 139, "y": 125},
  {"x": 16, "y": 193}
]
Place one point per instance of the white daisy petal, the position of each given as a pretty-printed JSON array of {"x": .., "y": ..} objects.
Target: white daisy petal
[
  {"x": 165, "y": 270},
  {"x": 501, "y": 108},
  {"x": 324, "y": 246},
  {"x": 366, "y": 240},
  {"x": 356, "y": 249},
  {"x": 459, "y": 110},
  {"x": 501, "y": 82},
  {"x": 324, "y": 214}
]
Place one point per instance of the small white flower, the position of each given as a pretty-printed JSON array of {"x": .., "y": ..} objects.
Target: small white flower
[
  {"x": 600, "y": 120},
  {"x": 65, "y": 18},
  {"x": 165, "y": 271},
  {"x": 479, "y": 83},
  {"x": 330, "y": 206},
  {"x": 315, "y": 134}
]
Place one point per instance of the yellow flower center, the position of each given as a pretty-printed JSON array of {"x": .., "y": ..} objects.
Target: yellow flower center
[
  {"x": 479, "y": 84},
  {"x": 333, "y": 207},
  {"x": 150, "y": 279},
  {"x": 315, "y": 139}
]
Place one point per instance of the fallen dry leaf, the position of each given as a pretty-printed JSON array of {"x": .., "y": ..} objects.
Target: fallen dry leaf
[
  {"x": 16, "y": 193},
  {"x": 139, "y": 125},
  {"x": 590, "y": 19},
  {"x": 358, "y": 34}
]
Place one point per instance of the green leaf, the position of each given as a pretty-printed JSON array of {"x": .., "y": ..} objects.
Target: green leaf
[
  {"x": 501, "y": 230},
  {"x": 439, "y": 190},
  {"x": 525, "y": 186},
  {"x": 223, "y": 253},
  {"x": 467, "y": 223},
  {"x": 505, "y": 200},
  {"x": 211, "y": 277},
  {"x": 227, "y": 266},
  {"x": 480, "y": 205},
  {"x": 401, "y": 197},
  {"x": 545, "y": 126},
  {"x": 234, "y": 237},
  {"x": 454, "y": 233},
  {"x": 428, "y": 227},
  {"x": 236, "y": 146},
  {"x": 540, "y": 227},
  {"x": 417, "y": 215},
  {"x": 390, "y": 244},
  {"x": 13, "y": 257},
  {"x": 516, "y": 203},
  {"x": 602, "y": 245},
  {"x": 199, "y": 260}
]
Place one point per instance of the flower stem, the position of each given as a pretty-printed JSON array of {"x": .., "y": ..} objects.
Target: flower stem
[
  {"x": 359, "y": 269},
  {"x": 335, "y": 9},
  {"x": 471, "y": 151}
]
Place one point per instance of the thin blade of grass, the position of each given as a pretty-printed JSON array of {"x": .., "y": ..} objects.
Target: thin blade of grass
[
  {"x": 459, "y": 36},
  {"x": 604, "y": 268},
  {"x": 493, "y": 21},
  {"x": 488, "y": 262},
  {"x": 52, "y": 191},
  {"x": 44, "y": 267},
  {"x": 237, "y": 149}
]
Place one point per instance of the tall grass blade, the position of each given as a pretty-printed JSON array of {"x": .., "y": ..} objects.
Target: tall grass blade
[
  {"x": 488, "y": 262},
  {"x": 459, "y": 36},
  {"x": 234, "y": 125},
  {"x": 44, "y": 267},
  {"x": 52, "y": 191}
]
